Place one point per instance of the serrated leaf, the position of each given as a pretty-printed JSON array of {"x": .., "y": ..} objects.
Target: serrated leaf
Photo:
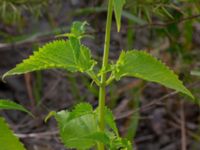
[
  {"x": 79, "y": 128},
  {"x": 7, "y": 104},
  {"x": 8, "y": 141},
  {"x": 57, "y": 54},
  {"x": 81, "y": 109},
  {"x": 142, "y": 65},
  {"x": 75, "y": 132},
  {"x": 118, "y": 6}
]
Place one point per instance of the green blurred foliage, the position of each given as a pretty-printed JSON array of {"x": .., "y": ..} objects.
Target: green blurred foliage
[
  {"x": 12, "y": 11},
  {"x": 163, "y": 9}
]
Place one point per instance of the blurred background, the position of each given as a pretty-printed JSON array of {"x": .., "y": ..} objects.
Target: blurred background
[{"x": 150, "y": 115}]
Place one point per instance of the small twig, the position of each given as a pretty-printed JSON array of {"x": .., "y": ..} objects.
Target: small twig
[
  {"x": 35, "y": 38},
  {"x": 39, "y": 135},
  {"x": 155, "y": 101},
  {"x": 11, "y": 46},
  {"x": 28, "y": 81},
  {"x": 183, "y": 131},
  {"x": 189, "y": 132},
  {"x": 129, "y": 113}
]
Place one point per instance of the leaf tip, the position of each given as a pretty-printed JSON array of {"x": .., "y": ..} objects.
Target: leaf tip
[
  {"x": 50, "y": 114},
  {"x": 4, "y": 76}
]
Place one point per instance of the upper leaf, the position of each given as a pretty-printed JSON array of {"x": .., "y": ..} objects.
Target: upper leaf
[
  {"x": 118, "y": 6},
  {"x": 142, "y": 65},
  {"x": 57, "y": 54},
  {"x": 8, "y": 141},
  {"x": 7, "y": 104}
]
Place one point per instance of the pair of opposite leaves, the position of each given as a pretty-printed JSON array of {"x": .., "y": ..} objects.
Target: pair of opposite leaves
[{"x": 72, "y": 56}]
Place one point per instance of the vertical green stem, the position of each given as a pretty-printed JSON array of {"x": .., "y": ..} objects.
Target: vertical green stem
[{"x": 102, "y": 88}]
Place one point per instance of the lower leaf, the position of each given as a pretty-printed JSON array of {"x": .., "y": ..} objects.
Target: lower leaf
[{"x": 79, "y": 128}]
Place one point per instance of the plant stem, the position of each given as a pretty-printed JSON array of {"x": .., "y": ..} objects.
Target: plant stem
[{"x": 102, "y": 88}]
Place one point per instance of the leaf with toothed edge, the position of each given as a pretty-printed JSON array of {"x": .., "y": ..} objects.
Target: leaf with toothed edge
[
  {"x": 69, "y": 54},
  {"x": 82, "y": 108},
  {"x": 57, "y": 54},
  {"x": 79, "y": 128},
  {"x": 8, "y": 141},
  {"x": 142, "y": 65}
]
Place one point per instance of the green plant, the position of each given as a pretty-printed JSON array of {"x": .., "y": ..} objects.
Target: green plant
[{"x": 85, "y": 127}]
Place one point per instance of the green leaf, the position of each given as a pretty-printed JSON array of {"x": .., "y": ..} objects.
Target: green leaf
[
  {"x": 8, "y": 141},
  {"x": 110, "y": 121},
  {"x": 79, "y": 128},
  {"x": 118, "y": 5},
  {"x": 82, "y": 109},
  {"x": 142, "y": 65},
  {"x": 75, "y": 132},
  {"x": 7, "y": 104},
  {"x": 61, "y": 54},
  {"x": 57, "y": 54},
  {"x": 100, "y": 137}
]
